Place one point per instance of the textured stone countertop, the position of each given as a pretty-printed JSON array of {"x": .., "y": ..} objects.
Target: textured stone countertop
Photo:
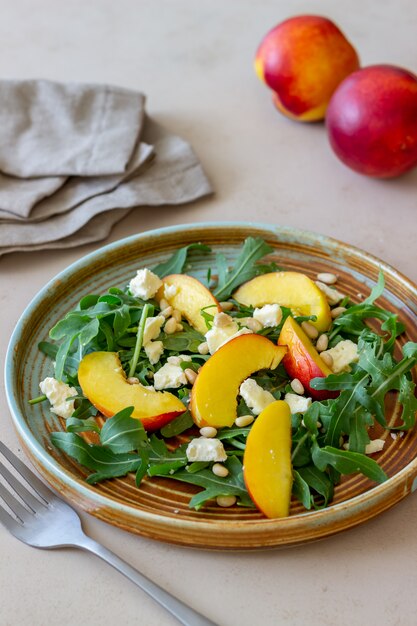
[{"x": 194, "y": 62}]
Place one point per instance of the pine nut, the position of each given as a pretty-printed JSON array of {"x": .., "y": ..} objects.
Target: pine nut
[
  {"x": 203, "y": 348},
  {"x": 170, "y": 326},
  {"x": 226, "y": 501},
  {"x": 226, "y": 306},
  {"x": 220, "y": 470},
  {"x": 133, "y": 380},
  {"x": 179, "y": 328},
  {"x": 208, "y": 431},
  {"x": 176, "y": 315},
  {"x": 322, "y": 343},
  {"x": 297, "y": 386},
  {"x": 221, "y": 320},
  {"x": 190, "y": 375},
  {"x": 310, "y": 330},
  {"x": 327, "y": 278},
  {"x": 252, "y": 324},
  {"x": 337, "y": 311},
  {"x": 244, "y": 420},
  {"x": 327, "y": 358},
  {"x": 167, "y": 312},
  {"x": 163, "y": 304}
]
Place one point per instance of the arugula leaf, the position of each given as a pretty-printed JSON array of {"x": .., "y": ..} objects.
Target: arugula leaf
[
  {"x": 122, "y": 433},
  {"x": 231, "y": 485},
  {"x": 107, "y": 464},
  {"x": 253, "y": 250},
  {"x": 177, "y": 425},
  {"x": 346, "y": 462},
  {"x": 186, "y": 340},
  {"x": 175, "y": 264},
  {"x": 76, "y": 425}
]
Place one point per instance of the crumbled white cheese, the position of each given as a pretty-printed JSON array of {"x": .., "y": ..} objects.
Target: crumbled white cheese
[
  {"x": 145, "y": 284},
  {"x": 170, "y": 291},
  {"x": 344, "y": 353},
  {"x": 217, "y": 337},
  {"x": 297, "y": 404},
  {"x": 170, "y": 376},
  {"x": 204, "y": 449},
  {"x": 154, "y": 350},
  {"x": 332, "y": 295},
  {"x": 177, "y": 360},
  {"x": 269, "y": 315},
  {"x": 152, "y": 328},
  {"x": 57, "y": 393},
  {"x": 375, "y": 445},
  {"x": 255, "y": 397}
]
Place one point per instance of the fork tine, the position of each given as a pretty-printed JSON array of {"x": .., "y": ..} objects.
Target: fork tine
[
  {"x": 8, "y": 521},
  {"x": 13, "y": 503},
  {"x": 30, "y": 500},
  {"x": 42, "y": 490}
]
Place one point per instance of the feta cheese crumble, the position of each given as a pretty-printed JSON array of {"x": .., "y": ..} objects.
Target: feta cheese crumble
[
  {"x": 223, "y": 330},
  {"x": 57, "y": 393},
  {"x": 152, "y": 328},
  {"x": 344, "y": 353},
  {"x": 171, "y": 376},
  {"x": 297, "y": 404},
  {"x": 206, "y": 450},
  {"x": 255, "y": 397},
  {"x": 154, "y": 350},
  {"x": 145, "y": 284},
  {"x": 375, "y": 445},
  {"x": 170, "y": 291},
  {"x": 269, "y": 315}
]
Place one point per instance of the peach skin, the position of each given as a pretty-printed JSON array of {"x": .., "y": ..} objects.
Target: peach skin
[
  {"x": 290, "y": 289},
  {"x": 215, "y": 391},
  {"x": 267, "y": 468},
  {"x": 372, "y": 121},
  {"x": 302, "y": 360},
  {"x": 104, "y": 383},
  {"x": 303, "y": 60}
]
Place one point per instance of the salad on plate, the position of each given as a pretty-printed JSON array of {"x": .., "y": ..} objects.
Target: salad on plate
[{"x": 256, "y": 385}]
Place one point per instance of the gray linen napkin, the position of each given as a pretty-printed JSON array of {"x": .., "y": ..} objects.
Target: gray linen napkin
[
  {"x": 90, "y": 130},
  {"x": 175, "y": 177},
  {"x": 76, "y": 158}
]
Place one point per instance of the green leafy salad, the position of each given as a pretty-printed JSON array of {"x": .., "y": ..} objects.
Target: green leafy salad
[{"x": 159, "y": 347}]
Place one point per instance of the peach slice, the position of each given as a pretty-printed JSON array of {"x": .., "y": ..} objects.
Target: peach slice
[
  {"x": 189, "y": 297},
  {"x": 214, "y": 394},
  {"x": 290, "y": 289},
  {"x": 302, "y": 360},
  {"x": 267, "y": 468},
  {"x": 104, "y": 383}
]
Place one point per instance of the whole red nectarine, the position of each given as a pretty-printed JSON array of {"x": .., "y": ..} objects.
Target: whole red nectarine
[
  {"x": 303, "y": 60},
  {"x": 372, "y": 121}
]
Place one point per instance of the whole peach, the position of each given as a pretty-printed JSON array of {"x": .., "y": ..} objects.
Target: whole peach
[
  {"x": 372, "y": 121},
  {"x": 303, "y": 60}
]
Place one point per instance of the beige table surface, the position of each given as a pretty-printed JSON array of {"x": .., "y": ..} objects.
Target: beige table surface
[{"x": 194, "y": 61}]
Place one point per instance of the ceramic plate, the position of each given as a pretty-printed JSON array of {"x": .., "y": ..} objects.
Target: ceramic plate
[{"x": 159, "y": 509}]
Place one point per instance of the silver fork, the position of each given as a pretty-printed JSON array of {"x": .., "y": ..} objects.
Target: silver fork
[{"x": 48, "y": 522}]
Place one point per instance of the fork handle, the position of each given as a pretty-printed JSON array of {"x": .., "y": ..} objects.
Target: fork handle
[{"x": 184, "y": 613}]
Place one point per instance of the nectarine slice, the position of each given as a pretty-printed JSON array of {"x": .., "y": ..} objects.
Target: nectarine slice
[
  {"x": 290, "y": 289},
  {"x": 267, "y": 468},
  {"x": 189, "y": 297},
  {"x": 104, "y": 383},
  {"x": 302, "y": 360},
  {"x": 215, "y": 391}
]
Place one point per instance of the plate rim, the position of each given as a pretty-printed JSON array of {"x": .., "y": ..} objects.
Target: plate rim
[{"x": 39, "y": 455}]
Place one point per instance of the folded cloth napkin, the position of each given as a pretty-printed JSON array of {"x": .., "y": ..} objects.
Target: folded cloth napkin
[{"x": 74, "y": 160}]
